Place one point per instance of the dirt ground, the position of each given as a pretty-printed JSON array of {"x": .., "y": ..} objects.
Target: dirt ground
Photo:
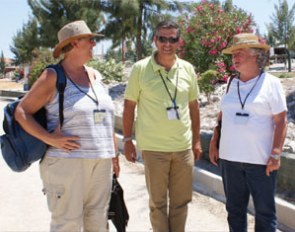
[{"x": 6, "y": 84}]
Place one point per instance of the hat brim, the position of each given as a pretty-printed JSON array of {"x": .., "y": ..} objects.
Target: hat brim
[
  {"x": 231, "y": 49},
  {"x": 57, "y": 49}
]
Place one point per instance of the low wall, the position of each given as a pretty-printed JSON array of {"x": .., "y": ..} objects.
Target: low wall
[{"x": 286, "y": 174}]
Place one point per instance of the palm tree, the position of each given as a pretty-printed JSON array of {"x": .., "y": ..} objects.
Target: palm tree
[{"x": 131, "y": 19}]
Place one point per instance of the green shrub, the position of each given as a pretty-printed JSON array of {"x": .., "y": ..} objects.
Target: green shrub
[
  {"x": 109, "y": 69},
  {"x": 42, "y": 59},
  {"x": 285, "y": 75},
  {"x": 206, "y": 82}
]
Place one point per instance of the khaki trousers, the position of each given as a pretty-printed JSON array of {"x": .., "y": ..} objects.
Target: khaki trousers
[
  {"x": 169, "y": 183},
  {"x": 78, "y": 193}
]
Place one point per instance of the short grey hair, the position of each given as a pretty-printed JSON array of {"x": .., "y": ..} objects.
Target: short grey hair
[{"x": 262, "y": 57}]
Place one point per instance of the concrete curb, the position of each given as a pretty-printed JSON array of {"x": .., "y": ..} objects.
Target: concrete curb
[
  {"x": 205, "y": 181},
  {"x": 211, "y": 184},
  {"x": 8, "y": 93}
]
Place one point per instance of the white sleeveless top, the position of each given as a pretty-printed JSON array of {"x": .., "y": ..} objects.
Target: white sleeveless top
[{"x": 96, "y": 139}]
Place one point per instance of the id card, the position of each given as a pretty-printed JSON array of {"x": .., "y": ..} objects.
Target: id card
[
  {"x": 172, "y": 113},
  {"x": 241, "y": 118},
  {"x": 98, "y": 116}
]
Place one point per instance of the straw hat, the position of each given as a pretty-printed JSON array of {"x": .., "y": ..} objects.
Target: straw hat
[
  {"x": 245, "y": 40},
  {"x": 70, "y": 32}
]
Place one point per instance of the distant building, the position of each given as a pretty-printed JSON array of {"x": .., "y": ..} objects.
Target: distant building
[
  {"x": 9, "y": 68},
  {"x": 279, "y": 54}
]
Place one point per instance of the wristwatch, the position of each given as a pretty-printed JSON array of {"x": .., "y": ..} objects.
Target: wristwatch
[
  {"x": 275, "y": 156},
  {"x": 126, "y": 139}
]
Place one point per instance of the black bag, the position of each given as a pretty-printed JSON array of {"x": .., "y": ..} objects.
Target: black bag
[
  {"x": 117, "y": 209},
  {"x": 20, "y": 149}
]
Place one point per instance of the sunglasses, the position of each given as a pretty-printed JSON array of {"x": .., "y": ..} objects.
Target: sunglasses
[
  {"x": 90, "y": 39},
  {"x": 171, "y": 40}
]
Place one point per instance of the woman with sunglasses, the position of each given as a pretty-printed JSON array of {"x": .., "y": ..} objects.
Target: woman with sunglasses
[
  {"x": 78, "y": 166},
  {"x": 164, "y": 88}
]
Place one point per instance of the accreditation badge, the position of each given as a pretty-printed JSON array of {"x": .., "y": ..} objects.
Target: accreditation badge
[
  {"x": 242, "y": 118},
  {"x": 99, "y": 115}
]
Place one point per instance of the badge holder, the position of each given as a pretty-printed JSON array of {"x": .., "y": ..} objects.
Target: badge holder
[
  {"x": 241, "y": 118},
  {"x": 172, "y": 113},
  {"x": 98, "y": 116}
]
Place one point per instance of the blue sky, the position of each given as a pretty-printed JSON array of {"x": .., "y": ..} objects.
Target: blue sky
[{"x": 15, "y": 13}]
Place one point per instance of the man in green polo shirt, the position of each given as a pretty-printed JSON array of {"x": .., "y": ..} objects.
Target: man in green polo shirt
[{"x": 164, "y": 89}]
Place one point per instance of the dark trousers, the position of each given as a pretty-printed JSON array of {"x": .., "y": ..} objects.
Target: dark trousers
[{"x": 239, "y": 181}]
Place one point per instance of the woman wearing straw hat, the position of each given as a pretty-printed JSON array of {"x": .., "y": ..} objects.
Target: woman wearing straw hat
[
  {"x": 77, "y": 168},
  {"x": 253, "y": 114}
]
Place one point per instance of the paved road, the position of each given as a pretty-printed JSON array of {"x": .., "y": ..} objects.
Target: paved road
[{"x": 23, "y": 207}]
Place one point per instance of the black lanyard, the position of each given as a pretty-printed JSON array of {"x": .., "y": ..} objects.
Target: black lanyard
[
  {"x": 167, "y": 90},
  {"x": 238, "y": 84},
  {"x": 96, "y": 98}
]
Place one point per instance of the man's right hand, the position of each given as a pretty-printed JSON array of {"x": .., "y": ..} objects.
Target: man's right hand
[{"x": 130, "y": 151}]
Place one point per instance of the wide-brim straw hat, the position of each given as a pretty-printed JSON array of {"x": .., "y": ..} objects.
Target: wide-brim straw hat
[
  {"x": 71, "y": 32},
  {"x": 245, "y": 40}
]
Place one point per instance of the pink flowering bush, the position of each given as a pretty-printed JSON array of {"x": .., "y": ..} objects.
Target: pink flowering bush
[{"x": 206, "y": 31}]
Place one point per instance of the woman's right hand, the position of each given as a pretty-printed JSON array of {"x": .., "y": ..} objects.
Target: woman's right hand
[
  {"x": 213, "y": 153},
  {"x": 58, "y": 140}
]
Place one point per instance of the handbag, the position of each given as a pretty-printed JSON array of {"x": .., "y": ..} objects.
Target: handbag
[{"x": 118, "y": 212}]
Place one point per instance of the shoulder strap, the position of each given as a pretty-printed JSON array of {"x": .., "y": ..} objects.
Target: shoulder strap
[
  {"x": 229, "y": 82},
  {"x": 61, "y": 81}
]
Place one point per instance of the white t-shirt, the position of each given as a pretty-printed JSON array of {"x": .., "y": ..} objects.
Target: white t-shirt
[{"x": 249, "y": 138}]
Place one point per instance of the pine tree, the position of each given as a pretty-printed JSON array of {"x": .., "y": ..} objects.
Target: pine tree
[{"x": 282, "y": 27}]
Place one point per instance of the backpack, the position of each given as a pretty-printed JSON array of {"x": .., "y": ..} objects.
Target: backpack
[{"x": 20, "y": 149}]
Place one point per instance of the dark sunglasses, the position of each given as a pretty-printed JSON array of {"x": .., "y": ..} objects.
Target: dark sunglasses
[
  {"x": 171, "y": 40},
  {"x": 90, "y": 39}
]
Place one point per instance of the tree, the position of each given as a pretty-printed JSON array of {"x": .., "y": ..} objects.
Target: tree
[
  {"x": 2, "y": 64},
  {"x": 25, "y": 42},
  {"x": 207, "y": 30},
  {"x": 133, "y": 19},
  {"x": 149, "y": 12},
  {"x": 282, "y": 28},
  {"x": 120, "y": 24},
  {"x": 53, "y": 14}
]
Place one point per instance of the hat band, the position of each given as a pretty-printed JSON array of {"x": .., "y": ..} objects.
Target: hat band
[{"x": 245, "y": 42}]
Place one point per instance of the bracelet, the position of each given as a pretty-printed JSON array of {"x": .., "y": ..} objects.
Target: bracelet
[
  {"x": 275, "y": 156},
  {"x": 117, "y": 153},
  {"x": 126, "y": 139}
]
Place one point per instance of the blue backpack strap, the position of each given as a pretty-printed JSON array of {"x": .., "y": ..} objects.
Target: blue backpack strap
[{"x": 61, "y": 82}]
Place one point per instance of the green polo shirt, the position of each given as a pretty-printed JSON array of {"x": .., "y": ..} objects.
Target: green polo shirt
[{"x": 153, "y": 130}]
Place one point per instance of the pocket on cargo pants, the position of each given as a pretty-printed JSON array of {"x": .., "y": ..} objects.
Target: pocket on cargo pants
[
  {"x": 53, "y": 190},
  {"x": 54, "y": 194}
]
